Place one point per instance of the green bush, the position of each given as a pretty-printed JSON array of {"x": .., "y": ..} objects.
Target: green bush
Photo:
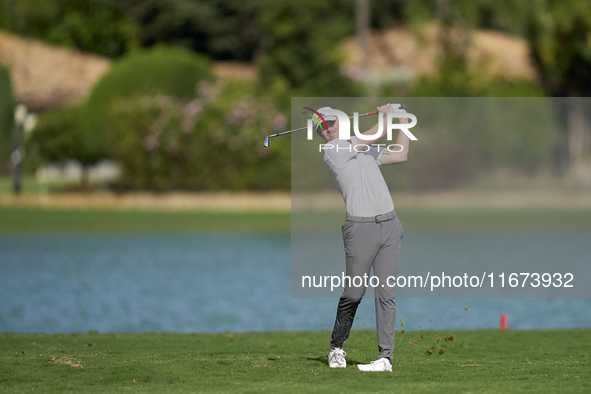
[
  {"x": 211, "y": 142},
  {"x": 7, "y": 103},
  {"x": 56, "y": 138},
  {"x": 161, "y": 70}
]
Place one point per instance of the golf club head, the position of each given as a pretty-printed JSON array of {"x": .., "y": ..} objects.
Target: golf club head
[{"x": 267, "y": 141}]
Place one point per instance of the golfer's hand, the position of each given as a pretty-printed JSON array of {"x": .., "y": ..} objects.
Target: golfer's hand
[
  {"x": 384, "y": 109},
  {"x": 399, "y": 111}
]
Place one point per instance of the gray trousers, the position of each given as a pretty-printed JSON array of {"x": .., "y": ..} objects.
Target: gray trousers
[{"x": 370, "y": 243}]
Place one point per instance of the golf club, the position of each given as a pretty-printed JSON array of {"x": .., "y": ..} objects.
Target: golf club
[{"x": 267, "y": 142}]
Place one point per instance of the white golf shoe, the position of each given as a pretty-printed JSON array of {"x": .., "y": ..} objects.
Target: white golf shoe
[
  {"x": 336, "y": 358},
  {"x": 383, "y": 364}
]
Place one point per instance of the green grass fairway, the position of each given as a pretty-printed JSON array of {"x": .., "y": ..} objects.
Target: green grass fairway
[
  {"x": 29, "y": 184},
  {"x": 35, "y": 220},
  {"x": 25, "y": 220},
  {"x": 483, "y": 361}
]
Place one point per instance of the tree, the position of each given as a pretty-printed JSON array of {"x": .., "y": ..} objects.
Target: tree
[
  {"x": 57, "y": 138},
  {"x": 95, "y": 26},
  {"x": 7, "y": 103},
  {"x": 223, "y": 29},
  {"x": 558, "y": 33},
  {"x": 301, "y": 46}
]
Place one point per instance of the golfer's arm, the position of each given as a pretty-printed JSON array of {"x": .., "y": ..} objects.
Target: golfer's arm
[{"x": 401, "y": 154}]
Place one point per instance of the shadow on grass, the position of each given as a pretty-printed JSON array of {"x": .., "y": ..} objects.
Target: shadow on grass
[{"x": 324, "y": 360}]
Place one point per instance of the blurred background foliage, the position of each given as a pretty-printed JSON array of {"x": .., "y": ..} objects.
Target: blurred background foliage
[
  {"x": 95, "y": 26},
  {"x": 303, "y": 52},
  {"x": 56, "y": 138},
  {"x": 557, "y": 32},
  {"x": 172, "y": 122},
  {"x": 7, "y": 104},
  {"x": 223, "y": 29},
  {"x": 211, "y": 142},
  {"x": 158, "y": 70}
]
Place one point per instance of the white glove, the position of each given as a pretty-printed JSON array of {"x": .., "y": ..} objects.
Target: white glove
[{"x": 397, "y": 109}]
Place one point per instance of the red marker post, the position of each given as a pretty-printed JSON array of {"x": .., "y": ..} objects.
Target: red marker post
[{"x": 503, "y": 321}]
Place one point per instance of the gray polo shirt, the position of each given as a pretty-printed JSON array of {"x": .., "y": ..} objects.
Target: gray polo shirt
[{"x": 358, "y": 177}]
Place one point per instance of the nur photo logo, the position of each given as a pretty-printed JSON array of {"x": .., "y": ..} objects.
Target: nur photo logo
[
  {"x": 318, "y": 119},
  {"x": 345, "y": 123},
  {"x": 326, "y": 117}
]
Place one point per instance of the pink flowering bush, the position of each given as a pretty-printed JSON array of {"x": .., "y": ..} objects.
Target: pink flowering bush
[{"x": 212, "y": 141}]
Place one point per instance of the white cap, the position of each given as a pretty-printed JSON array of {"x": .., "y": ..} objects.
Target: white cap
[{"x": 328, "y": 118}]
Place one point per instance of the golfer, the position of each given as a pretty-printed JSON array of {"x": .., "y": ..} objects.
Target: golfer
[{"x": 371, "y": 233}]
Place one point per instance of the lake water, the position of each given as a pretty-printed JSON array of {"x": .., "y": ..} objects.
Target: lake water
[{"x": 196, "y": 282}]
